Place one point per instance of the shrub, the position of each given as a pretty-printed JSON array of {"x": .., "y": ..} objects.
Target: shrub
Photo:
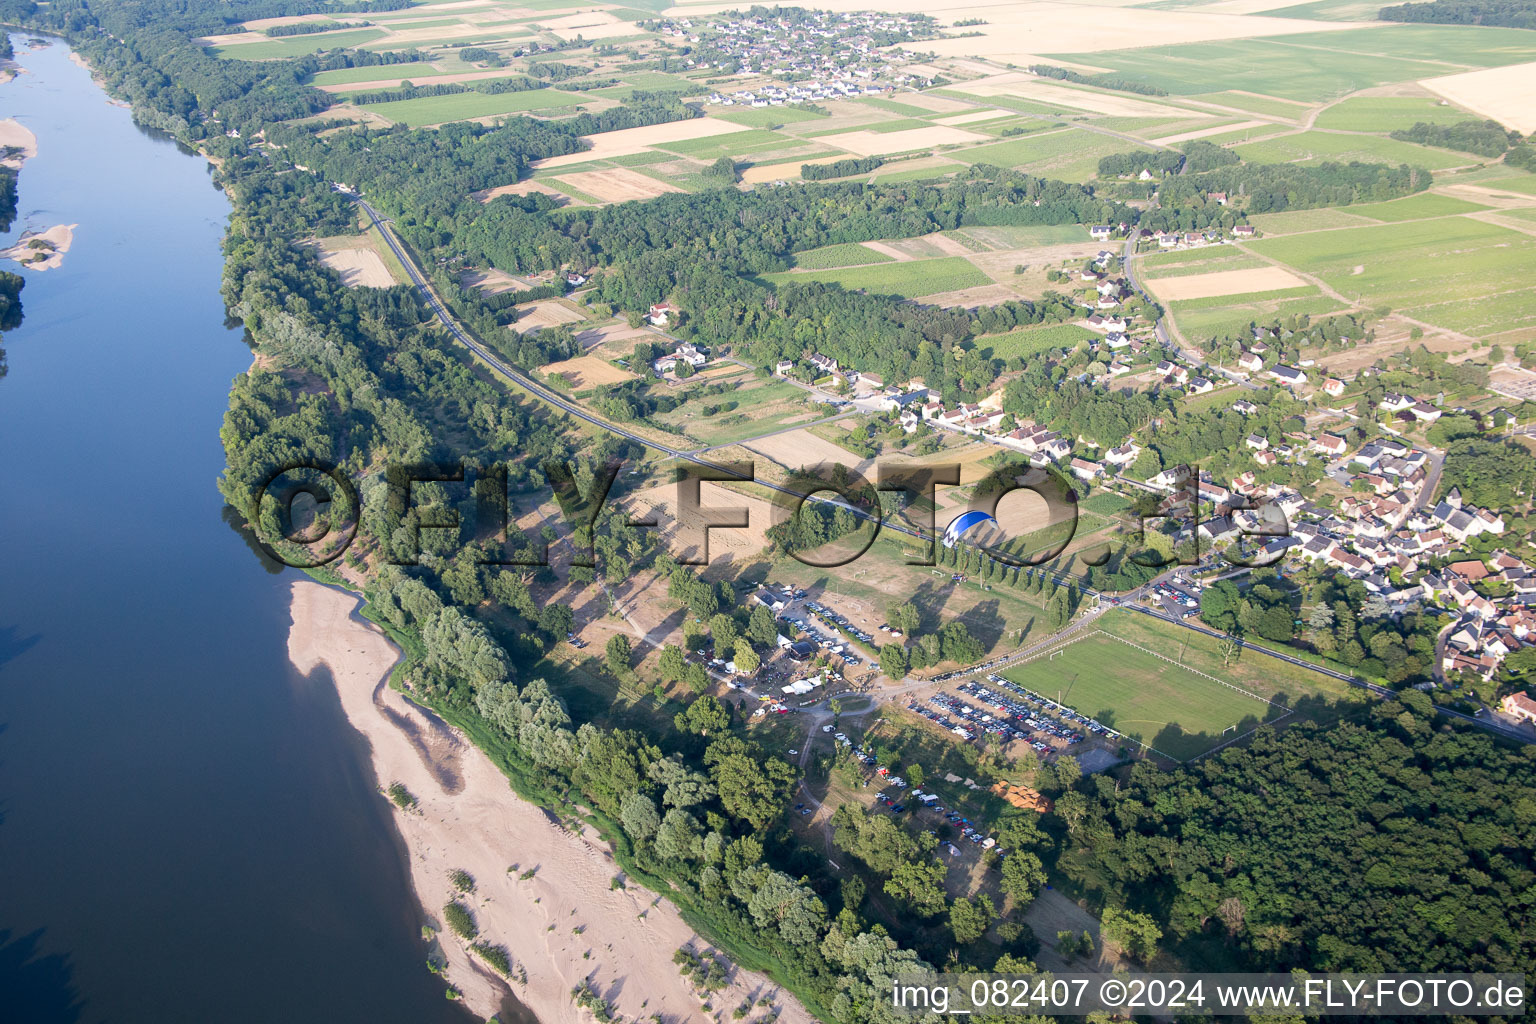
[{"x": 461, "y": 920}]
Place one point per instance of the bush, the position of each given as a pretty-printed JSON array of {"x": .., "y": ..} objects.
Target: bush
[
  {"x": 496, "y": 956},
  {"x": 461, "y": 920},
  {"x": 462, "y": 880},
  {"x": 401, "y": 797}
]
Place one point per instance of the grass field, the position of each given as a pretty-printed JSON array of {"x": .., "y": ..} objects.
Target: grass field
[
  {"x": 465, "y": 105},
  {"x": 1200, "y": 319},
  {"x": 1292, "y": 221},
  {"x": 1032, "y": 341},
  {"x": 1025, "y": 236},
  {"x": 297, "y": 46},
  {"x": 1317, "y": 147},
  {"x": 397, "y": 72},
  {"x": 768, "y": 118},
  {"x": 1161, "y": 266},
  {"x": 1389, "y": 113},
  {"x": 1425, "y": 204},
  {"x": 1257, "y": 104},
  {"x": 1060, "y": 152},
  {"x": 1175, "y": 711},
  {"x": 919, "y": 277},
  {"x": 845, "y": 254},
  {"x": 1314, "y": 67},
  {"x": 1454, "y": 272}
]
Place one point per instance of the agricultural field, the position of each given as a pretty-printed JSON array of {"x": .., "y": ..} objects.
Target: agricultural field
[
  {"x": 845, "y": 254},
  {"x": 1176, "y": 711},
  {"x": 1312, "y": 67},
  {"x": 1031, "y": 341},
  {"x": 1068, "y": 154},
  {"x": 280, "y": 48},
  {"x": 1292, "y": 222},
  {"x": 1455, "y": 272},
  {"x": 909, "y": 280},
  {"x": 584, "y": 372},
  {"x": 1223, "y": 283},
  {"x": 1419, "y": 207},
  {"x": 400, "y": 72},
  {"x": 1388, "y": 113},
  {"x": 1317, "y": 147},
  {"x": 1200, "y": 319},
  {"x": 464, "y": 106},
  {"x": 1158, "y": 266},
  {"x": 755, "y": 407}
]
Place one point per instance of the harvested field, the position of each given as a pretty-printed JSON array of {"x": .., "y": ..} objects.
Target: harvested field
[
  {"x": 1507, "y": 94},
  {"x": 356, "y": 261},
  {"x": 585, "y": 372},
  {"x": 685, "y": 538},
  {"x": 1225, "y": 282},
  {"x": 493, "y": 282},
  {"x": 618, "y": 185},
  {"x": 616, "y": 340},
  {"x": 756, "y": 175},
  {"x": 973, "y": 117},
  {"x": 803, "y": 448},
  {"x": 1021, "y": 85},
  {"x": 946, "y": 245},
  {"x": 627, "y": 141},
  {"x": 546, "y": 314},
  {"x": 1201, "y": 133},
  {"x": 869, "y": 143},
  {"x": 518, "y": 188}
]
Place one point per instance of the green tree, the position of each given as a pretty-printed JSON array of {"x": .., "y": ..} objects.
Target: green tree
[
  {"x": 704, "y": 715},
  {"x": 919, "y": 885},
  {"x": 747, "y": 661},
  {"x": 671, "y": 664},
  {"x": 761, "y": 626},
  {"x": 617, "y": 654},
  {"x": 969, "y": 920},
  {"x": 1133, "y": 933},
  {"x": 893, "y": 661}
]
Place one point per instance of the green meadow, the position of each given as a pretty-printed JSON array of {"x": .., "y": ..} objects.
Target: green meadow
[
  {"x": 297, "y": 46},
  {"x": 918, "y": 277},
  {"x": 465, "y": 105},
  {"x": 1317, "y": 147}
]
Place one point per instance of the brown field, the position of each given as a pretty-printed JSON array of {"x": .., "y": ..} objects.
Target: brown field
[
  {"x": 1507, "y": 94},
  {"x": 585, "y": 372},
  {"x": 614, "y": 340},
  {"x": 802, "y": 448},
  {"x": 590, "y": 25},
  {"x": 519, "y": 188},
  {"x": 494, "y": 282},
  {"x": 686, "y": 537},
  {"x": 546, "y": 314},
  {"x": 1022, "y": 85},
  {"x": 946, "y": 245},
  {"x": 356, "y": 260},
  {"x": 1201, "y": 133},
  {"x": 789, "y": 169},
  {"x": 627, "y": 141},
  {"x": 405, "y": 76},
  {"x": 867, "y": 143},
  {"x": 1225, "y": 282},
  {"x": 618, "y": 185}
]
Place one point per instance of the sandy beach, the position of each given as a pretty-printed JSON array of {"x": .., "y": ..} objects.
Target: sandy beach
[
  {"x": 561, "y": 926},
  {"x": 17, "y": 137},
  {"x": 42, "y": 250}
]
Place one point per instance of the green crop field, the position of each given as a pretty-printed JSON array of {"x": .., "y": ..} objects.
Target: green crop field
[
  {"x": 1030, "y": 341},
  {"x": 1174, "y": 710},
  {"x": 464, "y": 105},
  {"x": 1199, "y": 322},
  {"x": 1227, "y": 259},
  {"x": 1317, "y": 147},
  {"x": 770, "y": 117},
  {"x": 1025, "y": 236},
  {"x": 1292, "y": 221},
  {"x": 1454, "y": 272},
  {"x": 736, "y": 143},
  {"x": 394, "y": 72},
  {"x": 844, "y": 254},
  {"x": 1057, "y": 152},
  {"x": 1425, "y": 204},
  {"x": 297, "y": 46},
  {"x": 1389, "y": 113},
  {"x": 893, "y": 172},
  {"x": 1316, "y": 66},
  {"x": 1269, "y": 106},
  {"x": 919, "y": 277}
]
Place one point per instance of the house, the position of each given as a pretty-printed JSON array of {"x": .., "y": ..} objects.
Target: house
[
  {"x": 1124, "y": 455},
  {"x": 575, "y": 280},
  {"x": 1333, "y": 387},
  {"x": 784, "y": 367},
  {"x": 1108, "y": 288},
  {"x": 1250, "y": 361},
  {"x": 1256, "y": 442},
  {"x": 1099, "y": 232},
  {"x": 1330, "y": 444},
  {"x": 1219, "y": 198},
  {"x": 1265, "y": 459},
  {"x": 768, "y": 599},
  {"x": 1167, "y": 240},
  {"x": 1423, "y": 412},
  {"x": 897, "y": 401},
  {"x": 1244, "y": 231},
  {"x": 1396, "y": 403},
  {"x": 873, "y": 381},
  {"x": 1199, "y": 386},
  {"x": 1173, "y": 371},
  {"x": 1245, "y": 407},
  {"x": 661, "y": 314},
  {"x": 1288, "y": 375},
  {"x": 1085, "y": 470},
  {"x": 908, "y": 420},
  {"x": 1520, "y": 706},
  {"x": 826, "y": 364}
]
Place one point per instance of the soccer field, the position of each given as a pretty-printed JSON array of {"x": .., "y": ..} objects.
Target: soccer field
[{"x": 1174, "y": 710}]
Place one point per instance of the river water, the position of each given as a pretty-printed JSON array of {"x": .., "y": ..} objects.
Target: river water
[{"x": 188, "y": 830}]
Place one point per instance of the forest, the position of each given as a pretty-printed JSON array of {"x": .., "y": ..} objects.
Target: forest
[
  {"x": 1485, "y": 138},
  {"x": 1101, "y": 81},
  {"x": 1499, "y": 13}
]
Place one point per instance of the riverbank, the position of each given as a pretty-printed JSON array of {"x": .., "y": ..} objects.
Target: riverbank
[
  {"x": 17, "y": 142},
  {"x": 560, "y": 926}
]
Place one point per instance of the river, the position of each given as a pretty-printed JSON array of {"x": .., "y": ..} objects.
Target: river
[{"x": 188, "y": 830}]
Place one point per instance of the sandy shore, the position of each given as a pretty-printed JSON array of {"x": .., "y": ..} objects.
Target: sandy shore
[
  {"x": 17, "y": 136},
  {"x": 469, "y": 818},
  {"x": 42, "y": 250}
]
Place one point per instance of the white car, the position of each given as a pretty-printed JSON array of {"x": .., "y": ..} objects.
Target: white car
[
  {"x": 826, "y": 728},
  {"x": 792, "y": 752}
]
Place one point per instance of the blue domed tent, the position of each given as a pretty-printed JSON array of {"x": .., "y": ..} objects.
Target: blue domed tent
[{"x": 963, "y": 522}]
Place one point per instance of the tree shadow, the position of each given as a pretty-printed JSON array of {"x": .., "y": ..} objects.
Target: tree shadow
[{"x": 37, "y": 987}]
